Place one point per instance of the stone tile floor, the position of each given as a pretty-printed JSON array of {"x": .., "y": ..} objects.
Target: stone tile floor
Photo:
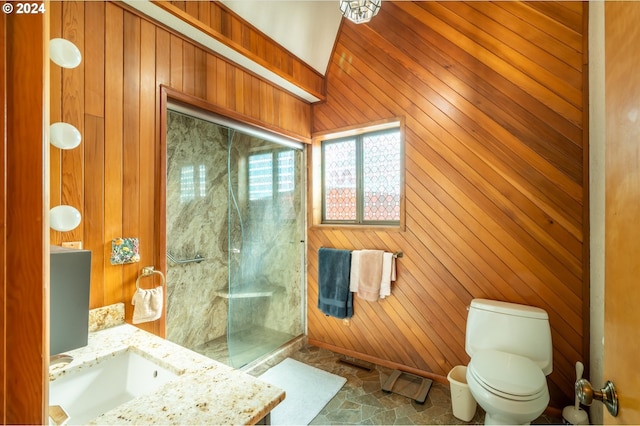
[{"x": 362, "y": 401}]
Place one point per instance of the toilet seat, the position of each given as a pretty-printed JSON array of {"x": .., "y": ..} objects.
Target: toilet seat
[{"x": 508, "y": 375}]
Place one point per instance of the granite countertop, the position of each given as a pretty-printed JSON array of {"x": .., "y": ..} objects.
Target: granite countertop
[{"x": 206, "y": 391}]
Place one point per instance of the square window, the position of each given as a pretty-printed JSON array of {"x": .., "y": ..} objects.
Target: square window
[{"x": 362, "y": 179}]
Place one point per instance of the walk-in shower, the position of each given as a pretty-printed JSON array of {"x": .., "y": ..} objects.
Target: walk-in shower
[{"x": 235, "y": 238}]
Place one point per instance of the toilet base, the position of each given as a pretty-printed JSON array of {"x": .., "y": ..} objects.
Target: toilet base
[
  {"x": 498, "y": 420},
  {"x": 501, "y": 411}
]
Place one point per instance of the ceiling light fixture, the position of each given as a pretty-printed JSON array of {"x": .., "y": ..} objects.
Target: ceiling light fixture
[{"x": 360, "y": 11}]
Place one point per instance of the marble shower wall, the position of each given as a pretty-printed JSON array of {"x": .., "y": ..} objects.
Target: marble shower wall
[
  {"x": 196, "y": 224},
  {"x": 265, "y": 250}
]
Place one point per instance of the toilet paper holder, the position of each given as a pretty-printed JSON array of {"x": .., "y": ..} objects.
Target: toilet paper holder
[{"x": 586, "y": 394}]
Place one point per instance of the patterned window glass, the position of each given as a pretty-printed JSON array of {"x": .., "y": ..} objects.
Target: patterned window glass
[
  {"x": 381, "y": 177},
  {"x": 260, "y": 176},
  {"x": 340, "y": 181},
  {"x": 362, "y": 178}
]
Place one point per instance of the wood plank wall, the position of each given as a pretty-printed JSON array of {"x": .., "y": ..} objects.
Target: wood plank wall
[
  {"x": 220, "y": 22},
  {"x": 24, "y": 282},
  {"x": 493, "y": 94},
  {"x": 113, "y": 99}
]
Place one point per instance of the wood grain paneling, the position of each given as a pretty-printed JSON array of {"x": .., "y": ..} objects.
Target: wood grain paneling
[
  {"x": 113, "y": 184},
  {"x": 3, "y": 229},
  {"x": 55, "y": 107},
  {"x": 114, "y": 99},
  {"x": 94, "y": 139},
  {"x": 493, "y": 95},
  {"x": 72, "y": 112},
  {"x": 622, "y": 178},
  {"x": 25, "y": 246},
  {"x": 221, "y": 23}
]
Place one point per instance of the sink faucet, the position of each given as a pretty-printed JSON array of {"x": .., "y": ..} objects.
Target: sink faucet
[{"x": 60, "y": 359}]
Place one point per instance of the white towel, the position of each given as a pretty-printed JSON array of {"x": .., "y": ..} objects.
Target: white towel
[
  {"x": 354, "y": 279},
  {"x": 147, "y": 305},
  {"x": 388, "y": 274}
]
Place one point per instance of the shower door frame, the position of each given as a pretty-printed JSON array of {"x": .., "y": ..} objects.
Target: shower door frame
[{"x": 169, "y": 96}]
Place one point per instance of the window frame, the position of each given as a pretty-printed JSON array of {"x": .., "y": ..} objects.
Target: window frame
[{"x": 316, "y": 156}]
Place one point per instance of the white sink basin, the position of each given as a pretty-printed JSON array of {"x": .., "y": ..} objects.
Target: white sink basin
[{"x": 86, "y": 392}]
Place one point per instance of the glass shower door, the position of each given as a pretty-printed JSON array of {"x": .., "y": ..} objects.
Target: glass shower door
[{"x": 266, "y": 246}]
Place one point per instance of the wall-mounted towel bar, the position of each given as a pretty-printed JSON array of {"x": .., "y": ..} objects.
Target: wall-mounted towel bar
[
  {"x": 148, "y": 271},
  {"x": 395, "y": 254},
  {"x": 196, "y": 259}
]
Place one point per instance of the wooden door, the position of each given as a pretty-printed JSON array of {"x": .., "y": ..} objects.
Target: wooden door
[
  {"x": 24, "y": 264},
  {"x": 622, "y": 208}
]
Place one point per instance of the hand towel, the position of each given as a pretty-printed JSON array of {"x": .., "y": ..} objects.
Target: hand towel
[
  {"x": 370, "y": 275},
  {"x": 355, "y": 271},
  {"x": 388, "y": 274},
  {"x": 334, "y": 297},
  {"x": 147, "y": 305}
]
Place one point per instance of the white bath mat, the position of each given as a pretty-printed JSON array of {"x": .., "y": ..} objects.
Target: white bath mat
[{"x": 308, "y": 390}]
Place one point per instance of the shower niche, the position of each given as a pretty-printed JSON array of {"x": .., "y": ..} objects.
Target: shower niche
[{"x": 235, "y": 235}]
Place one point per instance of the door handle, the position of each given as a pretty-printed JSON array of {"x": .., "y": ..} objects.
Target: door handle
[{"x": 586, "y": 394}]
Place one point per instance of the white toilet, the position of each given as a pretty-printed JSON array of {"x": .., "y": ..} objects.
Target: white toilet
[{"x": 511, "y": 355}]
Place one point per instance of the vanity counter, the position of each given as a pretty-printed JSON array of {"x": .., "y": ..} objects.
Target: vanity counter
[{"x": 206, "y": 391}]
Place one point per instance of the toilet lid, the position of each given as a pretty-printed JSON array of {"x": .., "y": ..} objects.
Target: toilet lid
[{"x": 510, "y": 375}]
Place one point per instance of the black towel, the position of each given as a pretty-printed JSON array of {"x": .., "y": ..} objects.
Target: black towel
[{"x": 334, "y": 269}]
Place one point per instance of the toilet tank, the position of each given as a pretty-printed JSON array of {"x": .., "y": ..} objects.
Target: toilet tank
[{"x": 509, "y": 327}]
